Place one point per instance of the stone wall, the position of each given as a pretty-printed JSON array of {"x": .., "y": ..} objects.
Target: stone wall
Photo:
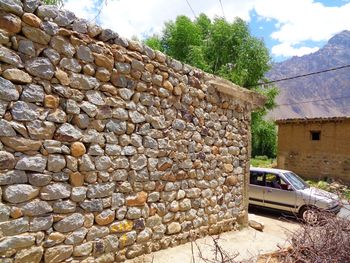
[
  {"x": 109, "y": 149},
  {"x": 328, "y": 157}
]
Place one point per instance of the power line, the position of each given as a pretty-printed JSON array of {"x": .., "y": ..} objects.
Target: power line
[
  {"x": 222, "y": 9},
  {"x": 189, "y": 5},
  {"x": 308, "y": 101},
  {"x": 299, "y": 76}
]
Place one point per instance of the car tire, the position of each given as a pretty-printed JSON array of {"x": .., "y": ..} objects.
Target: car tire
[{"x": 309, "y": 214}]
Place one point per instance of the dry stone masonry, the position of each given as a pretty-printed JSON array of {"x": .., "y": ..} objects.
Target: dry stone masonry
[{"x": 110, "y": 149}]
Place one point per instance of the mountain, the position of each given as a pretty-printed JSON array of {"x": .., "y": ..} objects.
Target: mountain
[{"x": 321, "y": 95}]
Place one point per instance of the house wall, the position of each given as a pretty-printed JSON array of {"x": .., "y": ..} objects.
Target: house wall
[
  {"x": 327, "y": 158},
  {"x": 109, "y": 149}
]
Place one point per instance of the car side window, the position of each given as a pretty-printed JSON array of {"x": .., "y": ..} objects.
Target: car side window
[
  {"x": 275, "y": 181},
  {"x": 257, "y": 178}
]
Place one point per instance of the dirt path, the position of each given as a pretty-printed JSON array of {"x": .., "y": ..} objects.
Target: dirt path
[{"x": 248, "y": 243}]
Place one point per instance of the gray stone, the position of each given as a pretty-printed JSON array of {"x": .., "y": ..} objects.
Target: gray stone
[
  {"x": 36, "y": 208},
  {"x": 4, "y": 212},
  {"x": 125, "y": 93},
  {"x": 30, "y": 5},
  {"x": 52, "y": 54},
  {"x": 64, "y": 18},
  {"x": 70, "y": 64},
  {"x": 173, "y": 228},
  {"x": 10, "y": 57},
  {"x": 133, "y": 213},
  {"x": 7, "y": 160},
  {"x": 40, "y": 67},
  {"x": 30, "y": 255},
  {"x": 116, "y": 126},
  {"x": 83, "y": 82},
  {"x": 39, "y": 179},
  {"x": 95, "y": 97},
  {"x": 55, "y": 191},
  {"x": 112, "y": 243},
  {"x": 89, "y": 108},
  {"x": 153, "y": 221},
  {"x": 121, "y": 114},
  {"x": 123, "y": 67},
  {"x": 19, "y": 193},
  {"x": 107, "y": 34},
  {"x": 50, "y": 28},
  {"x": 57, "y": 116},
  {"x": 83, "y": 249},
  {"x": 80, "y": 25},
  {"x": 69, "y": 223},
  {"x": 128, "y": 239},
  {"x": 153, "y": 197},
  {"x": 102, "y": 163},
  {"x": 36, "y": 163},
  {"x": 8, "y": 91},
  {"x": 56, "y": 162},
  {"x": 149, "y": 142},
  {"x": 64, "y": 207},
  {"x": 41, "y": 223},
  {"x": 13, "y": 177},
  {"x": 47, "y": 11},
  {"x": 136, "y": 117},
  {"x": 58, "y": 253},
  {"x": 129, "y": 151},
  {"x": 95, "y": 150},
  {"x": 15, "y": 227},
  {"x": 78, "y": 194},
  {"x": 72, "y": 107},
  {"x": 26, "y": 47},
  {"x": 3, "y": 107},
  {"x": 94, "y": 30},
  {"x": 118, "y": 200},
  {"x": 179, "y": 125},
  {"x": 137, "y": 162},
  {"x": 84, "y": 53},
  {"x": 16, "y": 242},
  {"x": 39, "y": 130},
  {"x": 86, "y": 164},
  {"x": 62, "y": 46},
  {"x": 120, "y": 175},
  {"x": 23, "y": 111},
  {"x": 76, "y": 237},
  {"x": 100, "y": 190},
  {"x": 95, "y": 205},
  {"x": 122, "y": 41},
  {"x": 96, "y": 232},
  {"x": 67, "y": 132},
  {"x": 12, "y": 6},
  {"x": 33, "y": 93}
]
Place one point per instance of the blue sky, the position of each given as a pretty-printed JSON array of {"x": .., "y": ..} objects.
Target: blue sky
[{"x": 288, "y": 27}]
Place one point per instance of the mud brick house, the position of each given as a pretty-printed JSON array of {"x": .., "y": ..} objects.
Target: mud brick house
[
  {"x": 317, "y": 148},
  {"x": 110, "y": 149}
]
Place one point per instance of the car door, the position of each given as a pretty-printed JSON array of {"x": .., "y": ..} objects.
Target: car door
[
  {"x": 256, "y": 188},
  {"x": 279, "y": 194}
]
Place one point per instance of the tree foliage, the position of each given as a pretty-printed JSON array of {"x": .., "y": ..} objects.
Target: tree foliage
[
  {"x": 53, "y": 2},
  {"x": 229, "y": 50}
]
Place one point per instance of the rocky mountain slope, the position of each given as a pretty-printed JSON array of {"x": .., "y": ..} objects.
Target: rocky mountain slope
[{"x": 321, "y": 95}]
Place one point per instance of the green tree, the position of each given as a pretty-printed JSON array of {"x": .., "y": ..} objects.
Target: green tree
[
  {"x": 229, "y": 50},
  {"x": 53, "y": 2}
]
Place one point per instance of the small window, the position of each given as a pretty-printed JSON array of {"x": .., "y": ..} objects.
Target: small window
[
  {"x": 315, "y": 135},
  {"x": 257, "y": 178}
]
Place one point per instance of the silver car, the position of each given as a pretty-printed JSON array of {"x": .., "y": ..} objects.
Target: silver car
[{"x": 284, "y": 190}]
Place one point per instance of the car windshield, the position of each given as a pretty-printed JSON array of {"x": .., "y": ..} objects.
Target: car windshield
[{"x": 296, "y": 181}]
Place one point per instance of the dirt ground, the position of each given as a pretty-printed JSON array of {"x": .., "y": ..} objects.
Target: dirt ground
[{"x": 247, "y": 243}]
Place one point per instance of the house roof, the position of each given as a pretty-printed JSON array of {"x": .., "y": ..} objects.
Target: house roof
[{"x": 313, "y": 120}]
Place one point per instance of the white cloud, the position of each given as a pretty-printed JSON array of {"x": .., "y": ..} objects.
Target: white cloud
[
  {"x": 286, "y": 50},
  {"x": 296, "y": 21}
]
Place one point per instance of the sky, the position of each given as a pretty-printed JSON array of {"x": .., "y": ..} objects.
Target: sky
[{"x": 288, "y": 27}]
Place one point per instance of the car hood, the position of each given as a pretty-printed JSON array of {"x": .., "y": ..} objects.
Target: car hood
[{"x": 320, "y": 194}]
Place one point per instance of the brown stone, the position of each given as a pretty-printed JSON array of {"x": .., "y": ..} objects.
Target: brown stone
[
  {"x": 36, "y": 35},
  {"x": 57, "y": 237},
  {"x": 58, "y": 253},
  {"x": 228, "y": 168},
  {"x": 62, "y": 77},
  {"x": 231, "y": 180},
  {"x": 167, "y": 85},
  {"x": 149, "y": 67},
  {"x": 31, "y": 20},
  {"x": 215, "y": 150},
  {"x": 104, "y": 61},
  {"x": 7, "y": 160},
  {"x": 16, "y": 212},
  {"x": 51, "y": 101},
  {"x": 10, "y": 22},
  {"x": 17, "y": 76},
  {"x": 137, "y": 200},
  {"x": 105, "y": 217},
  {"x": 30, "y": 255},
  {"x": 169, "y": 177},
  {"x": 177, "y": 90},
  {"x": 77, "y": 149},
  {"x": 76, "y": 179},
  {"x": 21, "y": 144}
]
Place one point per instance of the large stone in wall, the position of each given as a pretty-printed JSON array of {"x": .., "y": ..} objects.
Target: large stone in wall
[
  {"x": 19, "y": 193},
  {"x": 70, "y": 223},
  {"x": 8, "y": 91},
  {"x": 17, "y": 242},
  {"x": 40, "y": 67},
  {"x": 21, "y": 144},
  {"x": 7, "y": 160},
  {"x": 10, "y": 57},
  {"x": 58, "y": 253},
  {"x": 55, "y": 191},
  {"x": 36, "y": 163},
  {"x": 30, "y": 255},
  {"x": 67, "y": 132}
]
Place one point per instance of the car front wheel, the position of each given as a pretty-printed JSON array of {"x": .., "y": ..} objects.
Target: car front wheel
[{"x": 309, "y": 215}]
